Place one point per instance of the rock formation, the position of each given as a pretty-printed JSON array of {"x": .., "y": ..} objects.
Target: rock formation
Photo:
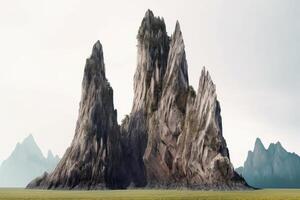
[
  {"x": 271, "y": 168},
  {"x": 173, "y": 134},
  {"x": 92, "y": 160},
  {"x": 172, "y": 137}
]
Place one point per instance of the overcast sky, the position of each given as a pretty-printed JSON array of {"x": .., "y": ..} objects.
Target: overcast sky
[{"x": 250, "y": 47}]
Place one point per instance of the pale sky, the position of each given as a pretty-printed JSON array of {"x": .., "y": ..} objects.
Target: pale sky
[{"x": 251, "y": 49}]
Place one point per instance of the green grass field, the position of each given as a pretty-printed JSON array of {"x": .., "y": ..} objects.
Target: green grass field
[{"x": 151, "y": 194}]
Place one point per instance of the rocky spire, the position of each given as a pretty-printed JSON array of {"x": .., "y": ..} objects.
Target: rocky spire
[
  {"x": 153, "y": 48},
  {"x": 174, "y": 136},
  {"x": 176, "y": 80},
  {"x": 93, "y": 157},
  {"x": 165, "y": 123},
  {"x": 206, "y": 100},
  {"x": 204, "y": 152}
]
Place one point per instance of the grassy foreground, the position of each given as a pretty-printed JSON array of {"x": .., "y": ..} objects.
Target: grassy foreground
[{"x": 150, "y": 195}]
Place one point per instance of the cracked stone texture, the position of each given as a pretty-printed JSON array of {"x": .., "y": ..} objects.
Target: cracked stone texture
[
  {"x": 93, "y": 159},
  {"x": 173, "y": 135}
]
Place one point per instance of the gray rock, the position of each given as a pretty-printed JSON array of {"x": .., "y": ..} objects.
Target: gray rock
[
  {"x": 172, "y": 137},
  {"x": 92, "y": 160}
]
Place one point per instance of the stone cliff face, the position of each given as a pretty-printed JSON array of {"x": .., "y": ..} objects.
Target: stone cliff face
[
  {"x": 92, "y": 160},
  {"x": 172, "y": 137}
]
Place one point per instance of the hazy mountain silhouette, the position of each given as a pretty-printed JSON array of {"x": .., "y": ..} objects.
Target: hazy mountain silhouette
[
  {"x": 271, "y": 168},
  {"x": 25, "y": 162}
]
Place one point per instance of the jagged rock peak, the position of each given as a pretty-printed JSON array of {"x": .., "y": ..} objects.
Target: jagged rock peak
[
  {"x": 205, "y": 74},
  {"x": 176, "y": 81},
  {"x": 205, "y": 80},
  {"x": 95, "y": 64},
  {"x": 179, "y": 140},
  {"x": 177, "y": 32},
  {"x": 152, "y": 29},
  {"x": 207, "y": 92},
  {"x": 258, "y": 145},
  {"x": 153, "y": 49},
  {"x": 97, "y": 52},
  {"x": 177, "y": 64},
  {"x": 93, "y": 158}
]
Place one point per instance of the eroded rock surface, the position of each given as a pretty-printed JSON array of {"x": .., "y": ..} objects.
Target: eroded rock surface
[
  {"x": 174, "y": 134},
  {"x": 172, "y": 137},
  {"x": 93, "y": 159}
]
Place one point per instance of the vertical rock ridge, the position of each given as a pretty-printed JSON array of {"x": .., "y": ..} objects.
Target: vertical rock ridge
[
  {"x": 205, "y": 146},
  {"x": 172, "y": 137},
  {"x": 94, "y": 155},
  {"x": 181, "y": 138},
  {"x": 176, "y": 82},
  {"x": 153, "y": 49}
]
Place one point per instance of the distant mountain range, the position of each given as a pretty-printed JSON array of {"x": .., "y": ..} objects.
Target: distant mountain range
[
  {"x": 25, "y": 163},
  {"x": 271, "y": 168}
]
